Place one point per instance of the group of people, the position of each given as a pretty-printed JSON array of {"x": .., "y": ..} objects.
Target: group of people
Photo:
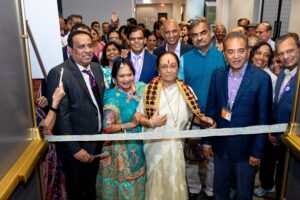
[{"x": 121, "y": 85}]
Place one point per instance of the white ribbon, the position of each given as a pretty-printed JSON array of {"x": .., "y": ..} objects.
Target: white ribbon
[{"x": 250, "y": 130}]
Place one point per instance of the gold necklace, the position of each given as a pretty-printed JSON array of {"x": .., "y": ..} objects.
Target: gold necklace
[{"x": 178, "y": 100}]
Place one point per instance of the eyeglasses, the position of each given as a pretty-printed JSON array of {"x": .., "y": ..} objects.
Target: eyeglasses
[
  {"x": 288, "y": 52},
  {"x": 260, "y": 32},
  {"x": 136, "y": 38}
]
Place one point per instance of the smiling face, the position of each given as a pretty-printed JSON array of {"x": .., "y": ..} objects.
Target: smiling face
[
  {"x": 288, "y": 53},
  {"x": 168, "y": 68},
  {"x": 82, "y": 50},
  {"x": 136, "y": 41},
  {"x": 95, "y": 35},
  {"x": 151, "y": 42},
  {"x": 112, "y": 52},
  {"x": 125, "y": 78},
  {"x": 171, "y": 32},
  {"x": 261, "y": 56},
  {"x": 236, "y": 53}
]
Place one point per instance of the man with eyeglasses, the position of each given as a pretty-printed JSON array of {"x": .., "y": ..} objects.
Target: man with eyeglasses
[
  {"x": 143, "y": 62},
  {"x": 197, "y": 66},
  {"x": 264, "y": 32},
  {"x": 287, "y": 48},
  {"x": 171, "y": 34}
]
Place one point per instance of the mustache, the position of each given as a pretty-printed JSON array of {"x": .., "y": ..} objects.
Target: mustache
[{"x": 202, "y": 40}]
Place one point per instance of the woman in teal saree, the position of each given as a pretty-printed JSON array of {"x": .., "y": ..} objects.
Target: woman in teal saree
[{"x": 121, "y": 172}]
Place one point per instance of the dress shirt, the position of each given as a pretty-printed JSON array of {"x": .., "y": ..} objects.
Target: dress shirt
[
  {"x": 137, "y": 61},
  {"x": 177, "y": 49},
  {"x": 287, "y": 77},
  {"x": 87, "y": 82},
  {"x": 234, "y": 82},
  {"x": 272, "y": 44}
]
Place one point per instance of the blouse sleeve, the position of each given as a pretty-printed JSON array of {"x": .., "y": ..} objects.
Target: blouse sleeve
[{"x": 110, "y": 118}]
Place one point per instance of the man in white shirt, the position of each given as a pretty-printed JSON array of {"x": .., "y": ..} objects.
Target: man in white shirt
[{"x": 264, "y": 32}]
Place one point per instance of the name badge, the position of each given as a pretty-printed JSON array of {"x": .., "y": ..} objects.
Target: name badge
[{"x": 226, "y": 114}]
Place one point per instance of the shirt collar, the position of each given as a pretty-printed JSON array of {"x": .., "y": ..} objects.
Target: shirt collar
[
  {"x": 204, "y": 54},
  {"x": 81, "y": 68},
  {"x": 241, "y": 73},
  {"x": 177, "y": 49},
  {"x": 133, "y": 55},
  {"x": 292, "y": 73}
]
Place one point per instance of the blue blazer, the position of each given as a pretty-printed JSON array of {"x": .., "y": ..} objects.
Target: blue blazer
[
  {"x": 282, "y": 109},
  {"x": 149, "y": 67},
  {"x": 183, "y": 49},
  {"x": 252, "y": 106}
]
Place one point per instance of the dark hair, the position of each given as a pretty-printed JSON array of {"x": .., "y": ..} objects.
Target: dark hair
[
  {"x": 291, "y": 35},
  {"x": 232, "y": 35},
  {"x": 151, "y": 34},
  {"x": 134, "y": 29},
  {"x": 105, "y": 23},
  {"x": 142, "y": 25},
  {"x": 93, "y": 23},
  {"x": 157, "y": 25},
  {"x": 165, "y": 53},
  {"x": 118, "y": 63},
  {"x": 114, "y": 32},
  {"x": 104, "y": 60},
  {"x": 132, "y": 21},
  {"x": 80, "y": 25},
  {"x": 196, "y": 23},
  {"x": 257, "y": 46},
  {"x": 73, "y": 34},
  {"x": 241, "y": 19},
  {"x": 74, "y": 16}
]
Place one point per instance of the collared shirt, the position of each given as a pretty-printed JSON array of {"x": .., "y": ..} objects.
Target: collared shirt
[
  {"x": 88, "y": 85},
  {"x": 137, "y": 61},
  {"x": 234, "y": 82},
  {"x": 177, "y": 49},
  {"x": 287, "y": 78},
  {"x": 272, "y": 44}
]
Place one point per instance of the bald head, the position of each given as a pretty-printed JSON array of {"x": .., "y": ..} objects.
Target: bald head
[
  {"x": 264, "y": 31},
  {"x": 171, "y": 32}
]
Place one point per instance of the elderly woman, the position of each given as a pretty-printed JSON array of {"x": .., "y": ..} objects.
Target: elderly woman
[
  {"x": 122, "y": 172},
  {"x": 110, "y": 52},
  {"x": 261, "y": 56},
  {"x": 168, "y": 104}
]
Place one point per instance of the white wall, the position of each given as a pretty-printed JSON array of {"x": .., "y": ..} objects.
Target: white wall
[
  {"x": 147, "y": 13},
  {"x": 294, "y": 17},
  {"x": 43, "y": 20},
  {"x": 229, "y": 11},
  {"x": 99, "y": 10}
]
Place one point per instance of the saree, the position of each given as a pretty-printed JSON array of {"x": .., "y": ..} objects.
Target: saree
[
  {"x": 165, "y": 162},
  {"x": 121, "y": 175}
]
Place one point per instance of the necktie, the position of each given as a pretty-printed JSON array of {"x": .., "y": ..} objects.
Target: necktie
[
  {"x": 137, "y": 67},
  {"x": 94, "y": 86}
]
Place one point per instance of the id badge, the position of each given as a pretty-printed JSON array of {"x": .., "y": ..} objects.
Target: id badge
[{"x": 226, "y": 114}]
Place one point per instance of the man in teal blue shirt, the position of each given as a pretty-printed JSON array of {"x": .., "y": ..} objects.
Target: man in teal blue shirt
[{"x": 196, "y": 69}]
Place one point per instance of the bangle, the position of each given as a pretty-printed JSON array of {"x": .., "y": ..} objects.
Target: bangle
[
  {"x": 151, "y": 123},
  {"x": 53, "y": 109}
]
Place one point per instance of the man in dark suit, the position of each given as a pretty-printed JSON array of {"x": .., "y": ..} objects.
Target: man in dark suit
[
  {"x": 171, "y": 34},
  {"x": 287, "y": 48},
  {"x": 80, "y": 113},
  {"x": 239, "y": 96},
  {"x": 143, "y": 62}
]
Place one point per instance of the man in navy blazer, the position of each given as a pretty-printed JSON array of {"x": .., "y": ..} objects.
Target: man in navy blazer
[
  {"x": 143, "y": 62},
  {"x": 171, "y": 34},
  {"x": 239, "y": 96},
  {"x": 287, "y": 48}
]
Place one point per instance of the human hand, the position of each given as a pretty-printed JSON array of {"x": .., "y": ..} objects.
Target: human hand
[
  {"x": 42, "y": 102},
  {"x": 158, "y": 120},
  {"x": 124, "y": 53},
  {"x": 138, "y": 117},
  {"x": 254, "y": 161},
  {"x": 272, "y": 139},
  {"x": 83, "y": 156},
  {"x": 207, "y": 150},
  {"x": 58, "y": 94}
]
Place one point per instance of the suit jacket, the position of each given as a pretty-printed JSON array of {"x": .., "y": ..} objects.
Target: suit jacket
[
  {"x": 183, "y": 48},
  {"x": 149, "y": 67},
  {"x": 252, "y": 106},
  {"x": 77, "y": 113},
  {"x": 282, "y": 109}
]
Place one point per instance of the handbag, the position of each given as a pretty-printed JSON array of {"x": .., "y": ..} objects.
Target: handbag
[{"x": 193, "y": 150}]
